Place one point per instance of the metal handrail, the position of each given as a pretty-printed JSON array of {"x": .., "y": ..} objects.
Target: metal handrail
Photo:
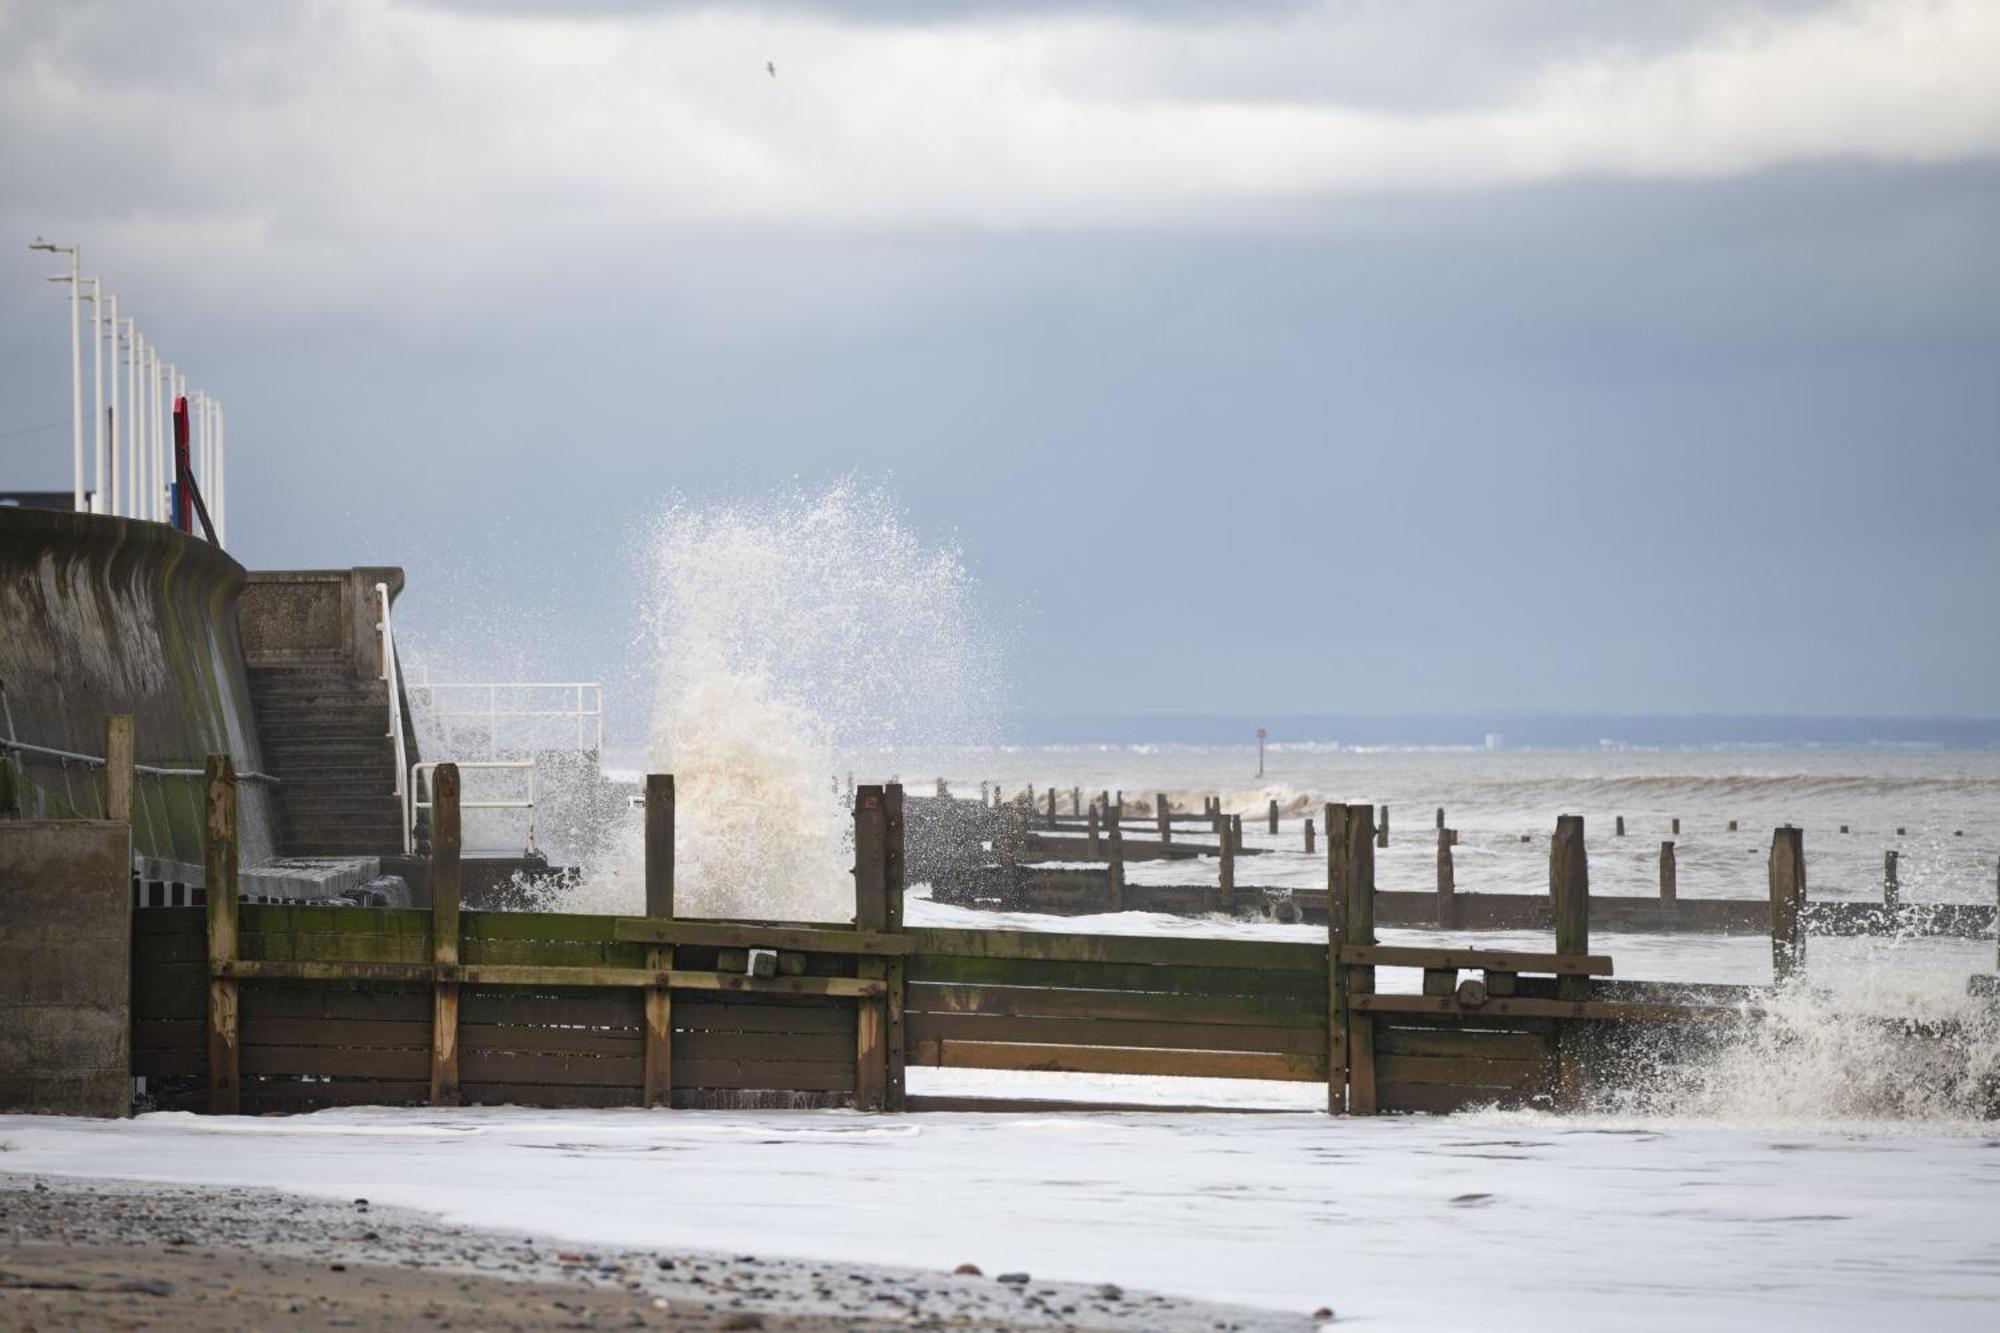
[
  {"x": 151, "y": 770},
  {"x": 583, "y": 712},
  {"x": 419, "y": 770},
  {"x": 395, "y": 710}
]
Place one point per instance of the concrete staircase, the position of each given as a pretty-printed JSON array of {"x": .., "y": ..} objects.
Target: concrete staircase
[{"x": 323, "y": 729}]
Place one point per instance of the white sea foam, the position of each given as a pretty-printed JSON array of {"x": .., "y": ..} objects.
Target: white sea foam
[{"x": 786, "y": 631}]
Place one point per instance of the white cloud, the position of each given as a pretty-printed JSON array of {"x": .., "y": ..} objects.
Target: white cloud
[{"x": 316, "y": 129}]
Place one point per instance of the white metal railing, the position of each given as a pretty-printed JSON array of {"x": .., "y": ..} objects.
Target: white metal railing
[
  {"x": 419, "y": 782},
  {"x": 395, "y": 711},
  {"x": 581, "y": 703}
]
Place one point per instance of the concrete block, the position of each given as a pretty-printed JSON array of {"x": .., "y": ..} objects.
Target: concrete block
[{"x": 65, "y": 967}]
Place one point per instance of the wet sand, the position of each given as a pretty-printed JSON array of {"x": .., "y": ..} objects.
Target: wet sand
[{"x": 128, "y": 1255}]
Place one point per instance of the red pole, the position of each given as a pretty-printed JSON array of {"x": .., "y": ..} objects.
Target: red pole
[{"x": 183, "y": 467}]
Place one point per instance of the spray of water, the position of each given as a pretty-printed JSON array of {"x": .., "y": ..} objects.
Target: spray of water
[{"x": 785, "y": 632}]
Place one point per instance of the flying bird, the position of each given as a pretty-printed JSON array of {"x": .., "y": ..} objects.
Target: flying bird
[{"x": 772, "y": 66}]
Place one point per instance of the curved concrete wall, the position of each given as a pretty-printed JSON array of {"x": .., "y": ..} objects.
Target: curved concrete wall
[{"x": 102, "y": 615}]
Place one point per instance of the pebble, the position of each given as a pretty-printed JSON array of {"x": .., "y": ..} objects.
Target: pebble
[
  {"x": 1016, "y": 1279},
  {"x": 967, "y": 1270}
]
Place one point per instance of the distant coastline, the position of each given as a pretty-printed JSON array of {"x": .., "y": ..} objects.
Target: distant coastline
[{"x": 1512, "y": 731}]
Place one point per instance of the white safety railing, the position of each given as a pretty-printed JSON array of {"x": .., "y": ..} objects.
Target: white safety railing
[
  {"x": 388, "y": 634},
  {"x": 420, "y": 783},
  {"x": 470, "y": 704}
]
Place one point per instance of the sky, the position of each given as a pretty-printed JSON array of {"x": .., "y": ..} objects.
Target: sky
[{"x": 1356, "y": 357}]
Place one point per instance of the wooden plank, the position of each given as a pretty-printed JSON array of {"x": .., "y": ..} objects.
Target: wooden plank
[
  {"x": 1356, "y": 890},
  {"x": 552, "y": 1006},
  {"x": 267, "y": 1030},
  {"x": 561, "y": 1096},
  {"x": 1048, "y": 1106},
  {"x": 493, "y": 1065},
  {"x": 1304, "y": 989},
  {"x": 501, "y": 975},
  {"x": 288, "y": 1093},
  {"x": 390, "y": 1062},
  {"x": 289, "y": 999},
  {"x": 768, "y": 1047},
  {"x": 871, "y": 914},
  {"x": 657, "y": 1079},
  {"x": 1093, "y": 1032},
  {"x": 1788, "y": 895},
  {"x": 314, "y": 919},
  {"x": 896, "y": 971},
  {"x": 573, "y": 1041},
  {"x": 762, "y": 1015},
  {"x": 220, "y": 858},
  {"x": 1389, "y": 955},
  {"x": 1454, "y": 1043},
  {"x": 571, "y": 927},
  {"x": 1338, "y": 1060},
  {"x": 723, "y": 935},
  {"x": 172, "y": 922},
  {"x": 118, "y": 770},
  {"x": 446, "y": 842},
  {"x": 1435, "y": 1099},
  {"x": 818, "y": 1076},
  {"x": 327, "y": 947},
  {"x": 1532, "y": 1008},
  {"x": 1253, "y": 955},
  {"x": 1521, "y": 1075},
  {"x": 1118, "y": 1060},
  {"x": 1141, "y": 1007}
]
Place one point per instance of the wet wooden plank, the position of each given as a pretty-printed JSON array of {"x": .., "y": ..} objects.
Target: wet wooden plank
[
  {"x": 1096, "y": 1032},
  {"x": 1118, "y": 1060},
  {"x": 1144, "y": 1007},
  {"x": 1387, "y": 955},
  {"x": 1146, "y": 950}
]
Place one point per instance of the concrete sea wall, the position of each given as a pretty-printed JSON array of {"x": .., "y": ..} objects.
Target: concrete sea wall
[{"x": 102, "y": 615}]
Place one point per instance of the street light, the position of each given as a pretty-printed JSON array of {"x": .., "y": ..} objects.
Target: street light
[
  {"x": 75, "y": 361},
  {"x": 98, "y": 500}
]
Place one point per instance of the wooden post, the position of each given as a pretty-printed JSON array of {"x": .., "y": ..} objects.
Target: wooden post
[
  {"x": 1892, "y": 887},
  {"x": 1382, "y": 829},
  {"x": 1788, "y": 895},
  {"x": 219, "y": 870},
  {"x": 1165, "y": 818},
  {"x": 1440, "y": 817},
  {"x": 1336, "y": 971},
  {"x": 1052, "y": 807},
  {"x": 1274, "y": 814},
  {"x": 447, "y": 842},
  {"x": 871, "y": 913},
  {"x": 118, "y": 768},
  {"x": 1677, "y": 826},
  {"x": 1075, "y": 801},
  {"x": 1732, "y": 826},
  {"x": 894, "y": 970},
  {"x": 1670, "y": 883},
  {"x": 659, "y": 1069},
  {"x": 1620, "y": 829},
  {"x": 1114, "y": 874},
  {"x": 1447, "y": 883},
  {"x": 1236, "y": 834},
  {"x": 1569, "y": 894},
  {"x": 1355, "y": 874},
  {"x": 1095, "y": 847},
  {"x": 1227, "y": 867},
  {"x": 1116, "y": 811},
  {"x": 1309, "y": 835}
]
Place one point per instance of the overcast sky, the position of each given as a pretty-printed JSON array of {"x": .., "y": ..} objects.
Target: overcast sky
[{"x": 1352, "y": 357}]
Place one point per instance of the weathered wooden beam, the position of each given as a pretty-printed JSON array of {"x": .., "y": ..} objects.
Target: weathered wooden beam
[
  {"x": 1569, "y": 898},
  {"x": 1610, "y": 1010},
  {"x": 1337, "y": 1013},
  {"x": 118, "y": 755},
  {"x": 1146, "y": 950},
  {"x": 532, "y": 974},
  {"x": 446, "y": 845},
  {"x": 658, "y": 1074},
  {"x": 895, "y": 970},
  {"x": 1447, "y": 882},
  {"x": 871, "y": 915},
  {"x": 1788, "y": 895},
  {"x": 1382, "y": 828},
  {"x": 1356, "y": 889},
  {"x": 1669, "y": 873},
  {"x": 1892, "y": 885},
  {"x": 220, "y": 857},
  {"x": 719, "y": 935},
  {"x": 1114, "y": 873},
  {"x": 1164, "y": 817},
  {"x": 1503, "y": 960},
  {"x": 1226, "y": 860},
  {"x": 1274, "y": 814},
  {"x": 1309, "y": 835}
]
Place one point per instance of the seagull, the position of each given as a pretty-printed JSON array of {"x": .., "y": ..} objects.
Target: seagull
[{"x": 772, "y": 66}]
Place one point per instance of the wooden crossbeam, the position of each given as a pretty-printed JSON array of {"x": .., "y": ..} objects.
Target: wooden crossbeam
[
  {"x": 1524, "y": 1008},
  {"x": 646, "y": 930},
  {"x": 511, "y": 974},
  {"x": 1390, "y": 955}
]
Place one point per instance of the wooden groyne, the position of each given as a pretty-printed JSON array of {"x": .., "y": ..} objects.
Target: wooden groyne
[
  {"x": 1020, "y": 884},
  {"x": 274, "y": 1008}
]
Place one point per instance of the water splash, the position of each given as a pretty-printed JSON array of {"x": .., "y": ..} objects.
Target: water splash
[{"x": 783, "y": 633}]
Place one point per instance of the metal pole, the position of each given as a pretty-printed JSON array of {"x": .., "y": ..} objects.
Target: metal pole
[
  {"x": 97, "y": 498},
  {"x": 221, "y": 482},
  {"x": 111, "y": 425},
  {"x": 76, "y": 372}
]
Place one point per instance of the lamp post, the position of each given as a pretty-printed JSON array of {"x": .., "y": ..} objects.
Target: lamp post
[
  {"x": 107, "y": 411},
  {"x": 75, "y": 361},
  {"x": 98, "y": 500}
]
